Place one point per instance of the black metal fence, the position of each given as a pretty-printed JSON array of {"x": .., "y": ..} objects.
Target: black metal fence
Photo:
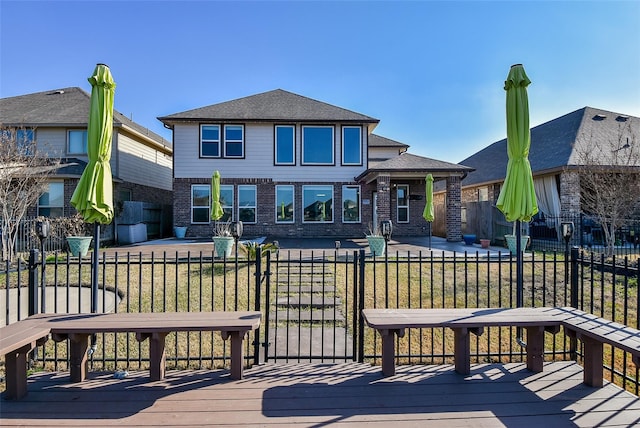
[{"x": 311, "y": 305}]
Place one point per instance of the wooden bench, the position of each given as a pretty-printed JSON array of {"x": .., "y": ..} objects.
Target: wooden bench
[
  {"x": 16, "y": 341},
  {"x": 153, "y": 326},
  {"x": 591, "y": 330}
]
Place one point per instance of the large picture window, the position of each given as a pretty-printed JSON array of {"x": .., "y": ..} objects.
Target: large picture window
[
  {"x": 317, "y": 202},
  {"x": 285, "y": 145},
  {"x": 317, "y": 145},
  {"x": 51, "y": 202},
  {"x": 200, "y": 203},
  {"x": 402, "y": 193},
  {"x": 234, "y": 141},
  {"x": 284, "y": 204},
  {"x": 210, "y": 141},
  {"x": 351, "y": 204},
  {"x": 247, "y": 203},
  {"x": 352, "y": 145},
  {"x": 77, "y": 141}
]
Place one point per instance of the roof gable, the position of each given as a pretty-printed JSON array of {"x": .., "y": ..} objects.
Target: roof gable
[
  {"x": 62, "y": 108},
  {"x": 277, "y": 105},
  {"x": 554, "y": 144}
]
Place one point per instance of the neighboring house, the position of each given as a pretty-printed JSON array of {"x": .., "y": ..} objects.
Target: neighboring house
[
  {"x": 292, "y": 166},
  {"x": 141, "y": 160},
  {"x": 557, "y": 149}
]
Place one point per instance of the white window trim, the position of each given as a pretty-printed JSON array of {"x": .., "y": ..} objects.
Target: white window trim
[
  {"x": 275, "y": 141},
  {"x": 38, "y": 205},
  {"x": 351, "y": 186},
  {"x": 359, "y": 128},
  {"x": 333, "y": 145},
  {"x": 219, "y": 140},
  {"x": 255, "y": 206},
  {"x": 191, "y": 206},
  {"x": 278, "y": 207},
  {"x": 333, "y": 205},
  {"x": 398, "y": 206},
  {"x": 224, "y": 138}
]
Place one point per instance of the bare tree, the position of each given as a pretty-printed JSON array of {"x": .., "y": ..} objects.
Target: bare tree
[
  {"x": 24, "y": 173},
  {"x": 609, "y": 170}
]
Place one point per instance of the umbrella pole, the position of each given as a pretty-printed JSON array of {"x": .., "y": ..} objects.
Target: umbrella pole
[
  {"x": 519, "y": 282},
  {"x": 94, "y": 284}
]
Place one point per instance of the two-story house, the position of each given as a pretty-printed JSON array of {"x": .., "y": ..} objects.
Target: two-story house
[
  {"x": 292, "y": 166},
  {"x": 141, "y": 160}
]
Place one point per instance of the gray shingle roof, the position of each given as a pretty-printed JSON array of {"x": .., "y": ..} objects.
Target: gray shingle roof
[
  {"x": 60, "y": 107},
  {"x": 554, "y": 144},
  {"x": 411, "y": 164},
  {"x": 277, "y": 105},
  {"x": 378, "y": 141}
]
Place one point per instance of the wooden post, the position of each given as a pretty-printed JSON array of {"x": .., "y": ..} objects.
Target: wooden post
[
  {"x": 535, "y": 348},
  {"x": 16, "y": 373},
  {"x": 593, "y": 370},
  {"x": 157, "y": 363},
  {"x": 78, "y": 362},
  {"x": 237, "y": 354}
]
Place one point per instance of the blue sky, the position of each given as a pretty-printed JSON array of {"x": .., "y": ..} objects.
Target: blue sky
[{"x": 432, "y": 72}]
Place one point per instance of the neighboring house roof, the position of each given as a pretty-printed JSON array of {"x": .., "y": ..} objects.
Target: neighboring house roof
[
  {"x": 555, "y": 145},
  {"x": 275, "y": 106},
  {"x": 378, "y": 141},
  {"x": 65, "y": 107},
  {"x": 408, "y": 165}
]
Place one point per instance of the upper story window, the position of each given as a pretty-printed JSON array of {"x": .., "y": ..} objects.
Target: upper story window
[
  {"x": 351, "y": 145},
  {"x": 317, "y": 145},
  {"x": 402, "y": 193},
  {"x": 234, "y": 141},
  {"x": 77, "y": 141},
  {"x": 285, "y": 153},
  {"x": 217, "y": 141},
  {"x": 51, "y": 202},
  {"x": 284, "y": 204},
  {"x": 210, "y": 141},
  {"x": 247, "y": 203}
]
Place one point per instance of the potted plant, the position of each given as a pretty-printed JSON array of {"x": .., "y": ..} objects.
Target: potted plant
[
  {"x": 376, "y": 241},
  {"x": 78, "y": 234},
  {"x": 222, "y": 239},
  {"x": 180, "y": 231},
  {"x": 511, "y": 241}
]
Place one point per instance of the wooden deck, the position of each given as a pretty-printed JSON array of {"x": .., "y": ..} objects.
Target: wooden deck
[{"x": 317, "y": 395}]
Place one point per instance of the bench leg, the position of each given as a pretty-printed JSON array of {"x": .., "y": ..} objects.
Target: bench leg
[
  {"x": 535, "y": 349},
  {"x": 16, "y": 373},
  {"x": 462, "y": 350},
  {"x": 593, "y": 370},
  {"x": 237, "y": 352},
  {"x": 78, "y": 362},
  {"x": 157, "y": 363},
  {"x": 389, "y": 350}
]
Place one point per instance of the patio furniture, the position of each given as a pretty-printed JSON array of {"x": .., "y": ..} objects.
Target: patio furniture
[
  {"x": 591, "y": 330},
  {"x": 79, "y": 327}
]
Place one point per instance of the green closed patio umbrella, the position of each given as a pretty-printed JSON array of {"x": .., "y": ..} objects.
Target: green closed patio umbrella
[
  {"x": 93, "y": 196},
  {"x": 216, "y": 208},
  {"x": 428, "y": 206},
  {"x": 517, "y": 199}
]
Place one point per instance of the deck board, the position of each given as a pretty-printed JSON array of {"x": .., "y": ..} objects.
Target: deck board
[{"x": 321, "y": 394}]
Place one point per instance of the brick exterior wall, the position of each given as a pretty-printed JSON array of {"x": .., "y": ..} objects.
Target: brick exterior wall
[
  {"x": 453, "y": 211},
  {"x": 569, "y": 193}
]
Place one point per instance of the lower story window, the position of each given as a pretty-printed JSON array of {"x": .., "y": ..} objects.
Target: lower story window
[
  {"x": 351, "y": 204},
  {"x": 284, "y": 204},
  {"x": 247, "y": 202},
  {"x": 200, "y": 203},
  {"x": 317, "y": 202},
  {"x": 403, "y": 203},
  {"x": 226, "y": 200},
  {"x": 51, "y": 202}
]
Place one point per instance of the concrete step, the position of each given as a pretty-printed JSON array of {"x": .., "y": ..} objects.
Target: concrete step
[
  {"x": 299, "y": 289},
  {"x": 306, "y": 301},
  {"x": 315, "y": 316}
]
